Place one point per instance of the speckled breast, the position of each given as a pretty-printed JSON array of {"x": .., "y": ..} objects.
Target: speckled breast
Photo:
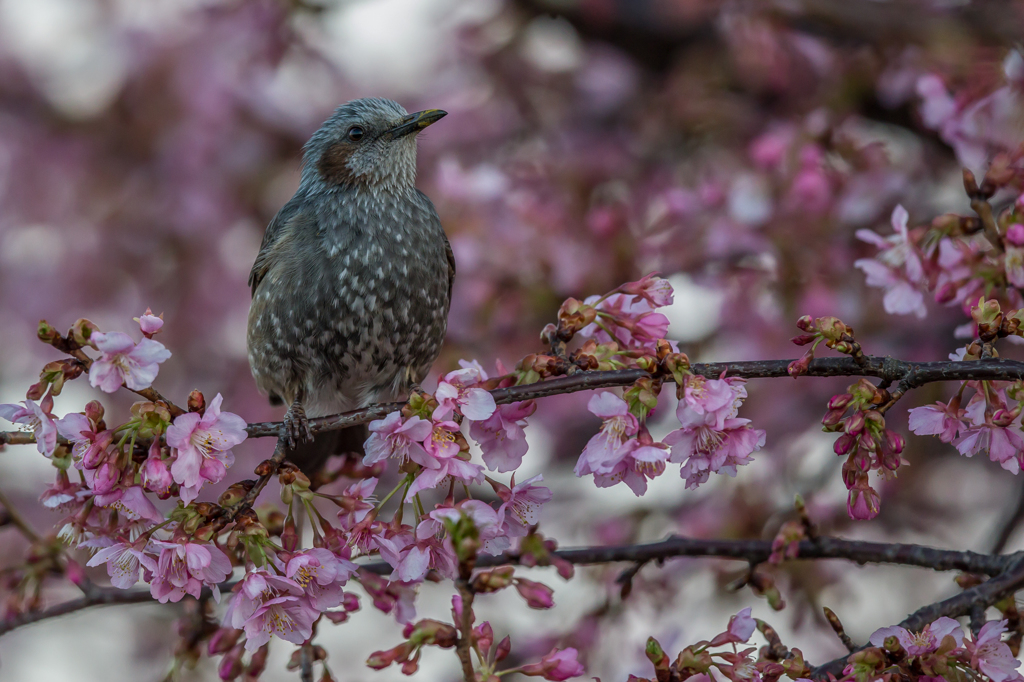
[{"x": 355, "y": 308}]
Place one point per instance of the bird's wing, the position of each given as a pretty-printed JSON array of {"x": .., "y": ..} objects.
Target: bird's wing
[
  {"x": 449, "y": 254},
  {"x": 277, "y": 229},
  {"x": 451, "y": 266}
]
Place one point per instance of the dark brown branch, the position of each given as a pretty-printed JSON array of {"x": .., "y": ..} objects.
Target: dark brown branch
[
  {"x": 909, "y": 374},
  {"x": 99, "y": 597},
  {"x": 758, "y": 551},
  {"x": 751, "y": 551}
]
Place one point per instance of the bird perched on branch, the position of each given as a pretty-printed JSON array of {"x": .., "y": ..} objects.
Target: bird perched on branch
[{"x": 353, "y": 281}]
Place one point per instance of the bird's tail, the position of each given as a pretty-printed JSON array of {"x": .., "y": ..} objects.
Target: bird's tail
[{"x": 311, "y": 457}]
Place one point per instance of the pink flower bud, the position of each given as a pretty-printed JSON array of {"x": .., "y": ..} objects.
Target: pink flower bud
[
  {"x": 803, "y": 339},
  {"x": 156, "y": 475},
  {"x": 231, "y": 665},
  {"x": 537, "y": 595},
  {"x": 806, "y": 323},
  {"x": 149, "y": 323},
  {"x": 844, "y": 444},
  {"x": 840, "y": 401},
  {"x": 557, "y": 665},
  {"x": 503, "y": 649},
  {"x": 863, "y": 502},
  {"x": 800, "y": 366}
]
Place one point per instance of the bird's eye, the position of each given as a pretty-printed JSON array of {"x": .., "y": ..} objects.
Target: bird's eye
[{"x": 355, "y": 133}]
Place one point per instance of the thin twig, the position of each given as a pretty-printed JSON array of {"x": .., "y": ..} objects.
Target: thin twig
[
  {"x": 464, "y": 647},
  {"x": 18, "y": 520},
  {"x": 1010, "y": 522}
]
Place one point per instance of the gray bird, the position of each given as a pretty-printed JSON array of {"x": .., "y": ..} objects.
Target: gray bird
[{"x": 353, "y": 281}]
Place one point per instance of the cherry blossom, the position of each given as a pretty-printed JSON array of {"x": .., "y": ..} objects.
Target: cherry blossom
[
  {"x": 184, "y": 567},
  {"x": 396, "y": 437},
  {"x": 520, "y": 506},
  {"x": 991, "y": 655},
  {"x": 36, "y": 417},
  {"x": 941, "y": 419},
  {"x": 88, "y": 445},
  {"x": 897, "y": 268},
  {"x": 502, "y": 436},
  {"x": 321, "y": 575},
  {"x": 601, "y": 453},
  {"x": 124, "y": 561},
  {"x": 202, "y": 445},
  {"x": 454, "y": 394},
  {"x": 125, "y": 362},
  {"x": 923, "y": 642}
]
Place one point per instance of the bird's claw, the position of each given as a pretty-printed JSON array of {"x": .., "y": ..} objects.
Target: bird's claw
[{"x": 296, "y": 426}]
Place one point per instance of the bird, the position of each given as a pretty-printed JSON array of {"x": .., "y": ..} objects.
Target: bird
[{"x": 352, "y": 284}]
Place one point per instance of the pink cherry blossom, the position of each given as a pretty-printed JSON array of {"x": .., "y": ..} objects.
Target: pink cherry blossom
[
  {"x": 923, "y": 642},
  {"x": 454, "y": 394},
  {"x": 630, "y": 319},
  {"x": 395, "y": 437},
  {"x": 941, "y": 419},
  {"x": 132, "y": 502},
  {"x": 521, "y": 504},
  {"x": 1004, "y": 443},
  {"x": 991, "y": 656},
  {"x": 897, "y": 268},
  {"x": 488, "y": 522},
  {"x": 639, "y": 459},
  {"x": 442, "y": 460},
  {"x": 125, "y": 362},
  {"x": 557, "y": 665},
  {"x": 64, "y": 495},
  {"x": 601, "y": 453},
  {"x": 123, "y": 562},
  {"x": 716, "y": 399},
  {"x": 412, "y": 555},
  {"x": 203, "y": 446},
  {"x": 703, "y": 449},
  {"x": 88, "y": 446},
  {"x": 741, "y": 627},
  {"x": 36, "y": 417},
  {"x": 502, "y": 437},
  {"x": 184, "y": 567},
  {"x": 657, "y": 292},
  {"x": 252, "y": 590},
  {"x": 321, "y": 575},
  {"x": 290, "y": 618}
]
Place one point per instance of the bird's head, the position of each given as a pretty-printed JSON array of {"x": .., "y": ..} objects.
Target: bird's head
[{"x": 369, "y": 143}]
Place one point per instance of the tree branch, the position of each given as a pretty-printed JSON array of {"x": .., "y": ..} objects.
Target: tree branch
[
  {"x": 909, "y": 374},
  {"x": 758, "y": 551},
  {"x": 963, "y": 604},
  {"x": 750, "y": 551}
]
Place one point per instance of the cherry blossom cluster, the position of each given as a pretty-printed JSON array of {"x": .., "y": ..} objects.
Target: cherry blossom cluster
[{"x": 940, "y": 651}]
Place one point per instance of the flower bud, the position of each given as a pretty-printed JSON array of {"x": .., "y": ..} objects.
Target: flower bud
[
  {"x": 493, "y": 580},
  {"x": 537, "y": 595},
  {"x": 81, "y": 330},
  {"x": 503, "y": 649},
  {"x": 196, "y": 402},
  {"x": 806, "y": 323}
]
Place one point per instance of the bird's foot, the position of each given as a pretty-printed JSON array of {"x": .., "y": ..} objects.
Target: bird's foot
[{"x": 296, "y": 425}]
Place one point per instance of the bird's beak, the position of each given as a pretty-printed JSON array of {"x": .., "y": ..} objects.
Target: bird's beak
[{"x": 414, "y": 123}]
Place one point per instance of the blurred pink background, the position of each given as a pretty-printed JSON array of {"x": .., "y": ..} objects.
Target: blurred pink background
[{"x": 733, "y": 146}]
